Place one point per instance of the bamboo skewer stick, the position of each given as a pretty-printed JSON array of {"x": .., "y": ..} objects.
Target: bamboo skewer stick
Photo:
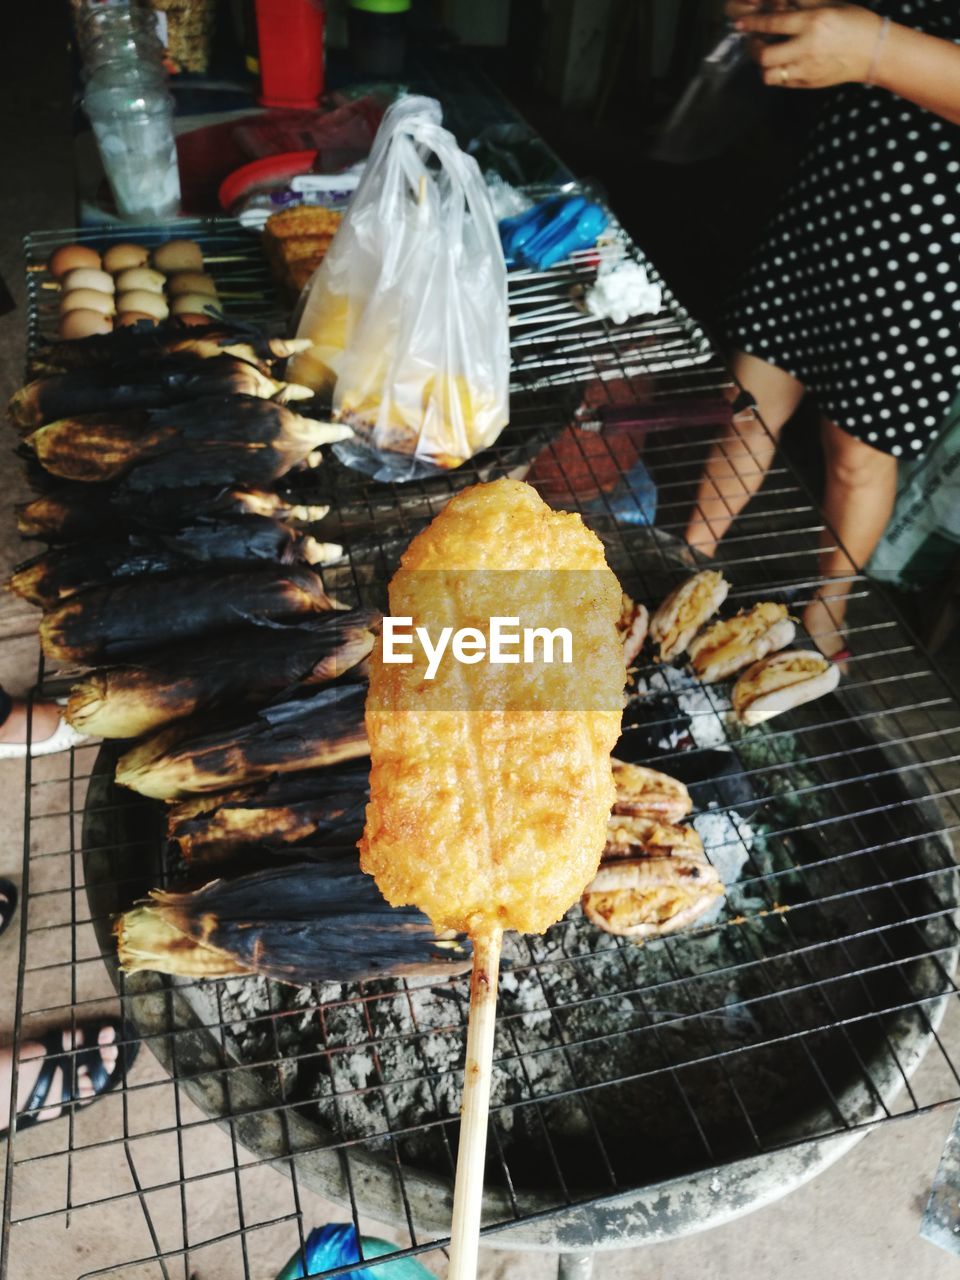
[{"x": 478, "y": 1070}]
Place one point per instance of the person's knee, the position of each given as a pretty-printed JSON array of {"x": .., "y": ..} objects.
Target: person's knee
[
  {"x": 855, "y": 472},
  {"x": 853, "y": 464}
]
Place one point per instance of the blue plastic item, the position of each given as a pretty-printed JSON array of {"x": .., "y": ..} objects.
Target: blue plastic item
[
  {"x": 336, "y": 1244},
  {"x": 551, "y": 231},
  {"x": 633, "y": 502}
]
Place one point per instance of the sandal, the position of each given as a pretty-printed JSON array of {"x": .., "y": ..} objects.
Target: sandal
[
  {"x": 8, "y": 902},
  {"x": 56, "y": 1058},
  {"x": 62, "y": 739}
]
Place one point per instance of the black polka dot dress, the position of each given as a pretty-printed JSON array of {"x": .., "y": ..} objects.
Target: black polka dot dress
[{"x": 855, "y": 290}]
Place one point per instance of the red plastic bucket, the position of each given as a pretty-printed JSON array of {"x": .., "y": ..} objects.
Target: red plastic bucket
[{"x": 290, "y": 34}]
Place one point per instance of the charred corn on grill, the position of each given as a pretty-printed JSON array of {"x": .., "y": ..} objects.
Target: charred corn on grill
[{"x": 801, "y": 1011}]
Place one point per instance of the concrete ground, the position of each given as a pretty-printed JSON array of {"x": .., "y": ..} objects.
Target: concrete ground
[{"x": 858, "y": 1220}]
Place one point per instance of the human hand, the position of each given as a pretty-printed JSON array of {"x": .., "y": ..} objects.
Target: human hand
[
  {"x": 744, "y": 8},
  {"x": 824, "y": 45}
]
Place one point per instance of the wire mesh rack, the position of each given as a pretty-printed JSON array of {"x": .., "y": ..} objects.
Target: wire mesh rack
[{"x": 801, "y": 1012}]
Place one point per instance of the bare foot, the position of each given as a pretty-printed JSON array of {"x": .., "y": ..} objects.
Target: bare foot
[
  {"x": 46, "y": 718},
  {"x": 31, "y": 1062}
]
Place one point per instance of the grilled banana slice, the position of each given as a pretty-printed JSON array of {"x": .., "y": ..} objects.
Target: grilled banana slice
[
  {"x": 647, "y": 793},
  {"x": 632, "y": 627},
  {"x": 728, "y": 646},
  {"x": 650, "y": 837},
  {"x": 685, "y": 610},
  {"x": 649, "y": 897},
  {"x": 784, "y": 680}
]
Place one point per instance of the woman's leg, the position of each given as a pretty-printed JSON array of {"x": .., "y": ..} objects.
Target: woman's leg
[
  {"x": 859, "y": 493},
  {"x": 740, "y": 458}
]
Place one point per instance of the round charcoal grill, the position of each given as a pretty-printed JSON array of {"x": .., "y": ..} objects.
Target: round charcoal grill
[{"x": 620, "y": 1068}]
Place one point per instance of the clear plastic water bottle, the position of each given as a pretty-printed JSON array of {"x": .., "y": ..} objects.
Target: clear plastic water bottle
[
  {"x": 133, "y": 125},
  {"x": 109, "y": 19},
  {"x": 129, "y": 106}
]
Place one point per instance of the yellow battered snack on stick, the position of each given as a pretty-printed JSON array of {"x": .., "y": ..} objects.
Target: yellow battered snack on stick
[{"x": 492, "y": 814}]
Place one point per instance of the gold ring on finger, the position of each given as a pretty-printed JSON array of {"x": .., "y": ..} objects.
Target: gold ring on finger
[{"x": 784, "y": 75}]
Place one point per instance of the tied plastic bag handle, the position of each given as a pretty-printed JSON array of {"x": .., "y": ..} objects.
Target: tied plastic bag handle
[{"x": 447, "y": 196}]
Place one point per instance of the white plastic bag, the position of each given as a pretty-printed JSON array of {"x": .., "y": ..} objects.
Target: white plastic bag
[{"x": 408, "y": 311}]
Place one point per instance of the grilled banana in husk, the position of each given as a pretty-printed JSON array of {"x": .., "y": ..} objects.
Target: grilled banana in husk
[
  {"x": 249, "y": 538},
  {"x": 109, "y": 621},
  {"x": 168, "y": 380},
  {"x": 309, "y": 922},
  {"x": 77, "y": 511},
  {"x": 58, "y": 574},
  {"x": 60, "y": 516},
  {"x": 48, "y": 579},
  {"x": 216, "y": 440},
  {"x": 247, "y": 667},
  {"x": 152, "y": 342},
  {"x": 308, "y": 733},
  {"x": 325, "y": 805}
]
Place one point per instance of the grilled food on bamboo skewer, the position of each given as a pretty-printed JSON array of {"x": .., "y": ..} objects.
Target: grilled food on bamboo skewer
[
  {"x": 169, "y": 337},
  {"x": 77, "y": 511},
  {"x": 489, "y": 812},
  {"x": 307, "y": 733},
  {"x": 169, "y": 380},
  {"x": 647, "y": 793},
  {"x": 685, "y": 610},
  {"x": 325, "y": 806},
  {"x": 114, "y": 620},
  {"x": 543, "y": 768},
  {"x": 311, "y": 922},
  {"x": 217, "y": 440},
  {"x": 246, "y": 667},
  {"x": 726, "y": 647}
]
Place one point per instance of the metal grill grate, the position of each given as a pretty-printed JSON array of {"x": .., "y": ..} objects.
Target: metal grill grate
[{"x": 802, "y": 1012}]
